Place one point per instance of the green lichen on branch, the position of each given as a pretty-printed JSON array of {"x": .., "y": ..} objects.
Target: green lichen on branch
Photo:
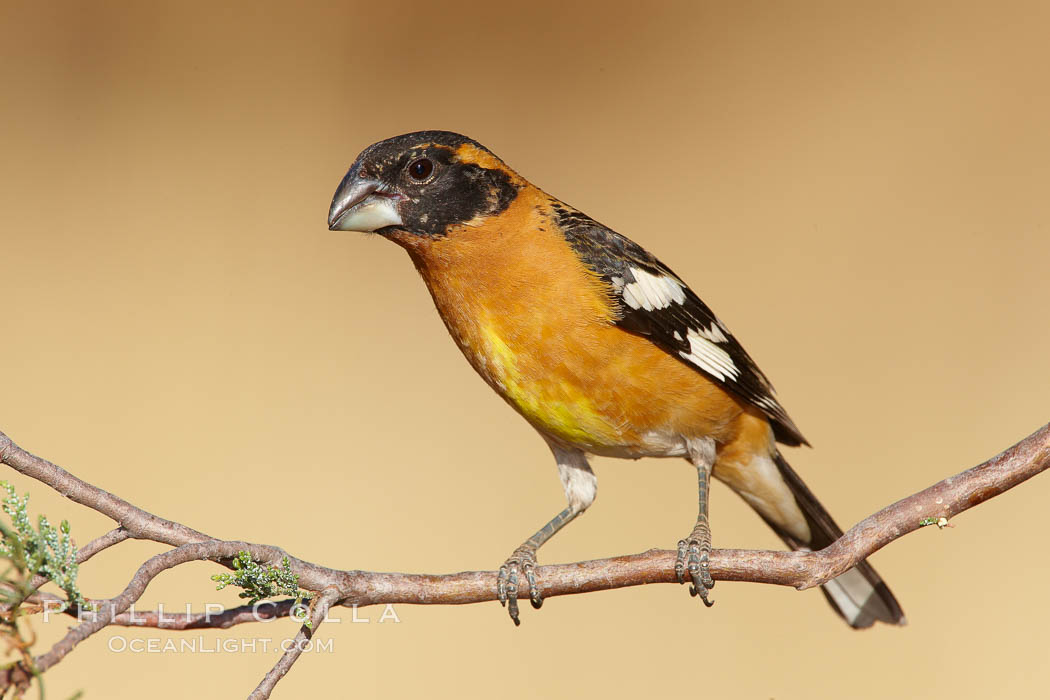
[
  {"x": 44, "y": 550},
  {"x": 260, "y": 581}
]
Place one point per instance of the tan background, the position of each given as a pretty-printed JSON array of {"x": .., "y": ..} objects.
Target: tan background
[{"x": 859, "y": 190}]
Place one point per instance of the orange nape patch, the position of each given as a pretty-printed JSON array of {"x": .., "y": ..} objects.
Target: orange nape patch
[{"x": 469, "y": 153}]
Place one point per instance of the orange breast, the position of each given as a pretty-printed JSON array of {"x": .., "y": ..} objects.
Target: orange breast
[{"x": 538, "y": 326}]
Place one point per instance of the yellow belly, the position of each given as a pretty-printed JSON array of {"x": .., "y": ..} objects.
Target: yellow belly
[{"x": 555, "y": 404}]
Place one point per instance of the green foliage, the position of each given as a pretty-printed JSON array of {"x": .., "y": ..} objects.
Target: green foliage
[
  {"x": 44, "y": 550},
  {"x": 259, "y": 581},
  {"x": 29, "y": 551}
]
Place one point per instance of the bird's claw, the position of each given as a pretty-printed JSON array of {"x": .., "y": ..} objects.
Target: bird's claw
[
  {"x": 694, "y": 558},
  {"x": 522, "y": 562}
]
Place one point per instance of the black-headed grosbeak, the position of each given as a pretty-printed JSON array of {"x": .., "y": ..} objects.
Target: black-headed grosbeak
[{"x": 596, "y": 343}]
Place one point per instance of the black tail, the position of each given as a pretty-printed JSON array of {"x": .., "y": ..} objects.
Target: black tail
[{"x": 860, "y": 596}]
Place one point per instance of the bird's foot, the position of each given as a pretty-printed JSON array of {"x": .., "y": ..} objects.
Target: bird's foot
[
  {"x": 522, "y": 562},
  {"x": 694, "y": 554}
]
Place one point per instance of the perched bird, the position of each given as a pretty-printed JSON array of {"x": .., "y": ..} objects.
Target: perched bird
[{"x": 596, "y": 343}]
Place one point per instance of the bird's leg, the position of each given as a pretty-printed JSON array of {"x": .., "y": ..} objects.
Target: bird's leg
[
  {"x": 581, "y": 486},
  {"x": 694, "y": 552},
  {"x": 523, "y": 562}
]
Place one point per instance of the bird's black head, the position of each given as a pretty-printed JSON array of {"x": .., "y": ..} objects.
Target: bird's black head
[{"x": 422, "y": 183}]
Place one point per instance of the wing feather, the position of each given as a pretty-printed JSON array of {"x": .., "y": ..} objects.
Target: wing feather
[{"x": 656, "y": 304}]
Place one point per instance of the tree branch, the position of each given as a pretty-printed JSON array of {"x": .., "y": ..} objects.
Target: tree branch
[
  {"x": 295, "y": 650},
  {"x": 106, "y": 610},
  {"x": 115, "y": 536},
  {"x": 158, "y": 619},
  {"x": 945, "y": 499}
]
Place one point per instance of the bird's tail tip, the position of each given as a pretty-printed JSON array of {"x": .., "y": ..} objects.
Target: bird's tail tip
[
  {"x": 860, "y": 595},
  {"x": 862, "y": 601}
]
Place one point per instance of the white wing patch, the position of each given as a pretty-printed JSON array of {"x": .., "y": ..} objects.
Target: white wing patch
[
  {"x": 706, "y": 355},
  {"x": 651, "y": 292},
  {"x": 767, "y": 403},
  {"x": 714, "y": 334}
]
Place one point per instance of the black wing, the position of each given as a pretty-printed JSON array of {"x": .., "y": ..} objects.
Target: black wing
[{"x": 656, "y": 304}]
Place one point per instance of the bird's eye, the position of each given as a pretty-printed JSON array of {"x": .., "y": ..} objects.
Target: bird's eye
[{"x": 421, "y": 169}]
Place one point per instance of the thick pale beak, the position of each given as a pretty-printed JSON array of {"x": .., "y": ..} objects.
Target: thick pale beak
[{"x": 361, "y": 204}]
